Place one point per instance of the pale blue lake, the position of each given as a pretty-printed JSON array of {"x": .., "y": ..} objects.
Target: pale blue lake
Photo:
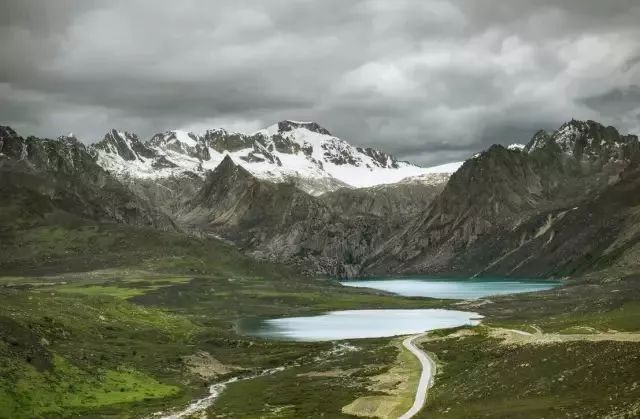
[
  {"x": 451, "y": 288},
  {"x": 358, "y": 324}
]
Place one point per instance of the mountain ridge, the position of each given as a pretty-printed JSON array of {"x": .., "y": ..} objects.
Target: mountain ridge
[
  {"x": 302, "y": 152},
  {"x": 500, "y": 189},
  {"x": 60, "y": 175},
  {"x": 499, "y": 206}
]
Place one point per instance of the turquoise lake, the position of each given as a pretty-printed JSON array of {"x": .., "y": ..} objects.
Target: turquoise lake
[{"x": 452, "y": 288}]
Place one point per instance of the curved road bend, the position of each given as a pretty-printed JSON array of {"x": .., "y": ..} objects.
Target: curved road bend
[{"x": 426, "y": 377}]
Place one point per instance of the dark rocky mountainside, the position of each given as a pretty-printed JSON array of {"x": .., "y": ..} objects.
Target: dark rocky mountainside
[
  {"x": 278, "y": 221},
  {"x": 397, "y": 201},
  {"x": 599, "y": 233},
  {"x": 497, "y": 203},
  {"x": 43, "y": 176}
]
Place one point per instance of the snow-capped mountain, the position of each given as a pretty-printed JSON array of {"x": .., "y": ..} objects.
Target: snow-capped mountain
[{"x": 290, "y": 151}]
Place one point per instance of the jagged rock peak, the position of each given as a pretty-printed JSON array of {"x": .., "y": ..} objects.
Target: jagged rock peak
[
  {"x": 288, "y": 125},
  {"x": 381, "y": 158},
  {"x": 228, "y": 167},
  {"x": 185, "y": 138},
  {"x": 70, "y": 139},
  {"x": 125, "y": 144},
  {"x": 11, "y": 144},
  {"x": 586, "y": 140},
  {"x": 539, "y": 140},
  {"x": 123, "y": 135},
  {"x": 226, "y": 164},
  {"x": 227, "y": 176},
  {"x": 7, "y": 132}
]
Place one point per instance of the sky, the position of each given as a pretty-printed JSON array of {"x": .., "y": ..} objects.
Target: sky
[{"x": 430, "y": 81}]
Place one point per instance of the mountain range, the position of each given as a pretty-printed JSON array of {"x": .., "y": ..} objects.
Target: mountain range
[
  {"x": 294, "y": 193},
  {"x": 303, "y": 153}
]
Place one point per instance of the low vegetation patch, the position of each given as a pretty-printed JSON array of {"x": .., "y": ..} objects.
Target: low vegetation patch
[
  {"x": 65, "y": 389},
  {"x": 398, "y": 386},
  {"x": 479, "y": 377}
]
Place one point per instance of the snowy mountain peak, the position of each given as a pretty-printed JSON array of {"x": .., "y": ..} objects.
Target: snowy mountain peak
[{"x": 290, "y": 151}]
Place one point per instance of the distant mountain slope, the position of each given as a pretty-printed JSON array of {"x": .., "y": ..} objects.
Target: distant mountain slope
[
  {"x": 400, "y": 200},
  {"x": 498, "y": 192},
  {"x": 599, "y": 233},
  {"x": 278, "y": 221},
  {"x": 43, "y": 176},
  {"x": 302, "y": 153}
]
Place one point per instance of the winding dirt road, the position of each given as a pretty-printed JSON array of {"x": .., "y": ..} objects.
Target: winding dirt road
[{"x": 426, "y": 377}]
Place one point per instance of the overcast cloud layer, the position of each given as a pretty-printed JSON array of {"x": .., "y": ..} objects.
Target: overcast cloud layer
[{"x": 429, "y": 81}]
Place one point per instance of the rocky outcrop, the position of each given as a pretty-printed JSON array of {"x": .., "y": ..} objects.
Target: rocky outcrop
[
  {"x": 221, "y": 141},
  {"x": 380, "y": 158}
]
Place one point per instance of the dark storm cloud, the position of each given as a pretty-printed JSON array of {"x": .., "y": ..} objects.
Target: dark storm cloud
[
  {"x": 431, "y": 81},
  {"x": 616, "y": 101}
]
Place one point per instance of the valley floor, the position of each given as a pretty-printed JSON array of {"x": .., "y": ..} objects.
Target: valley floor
[{"x": 147, "y": 321}]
